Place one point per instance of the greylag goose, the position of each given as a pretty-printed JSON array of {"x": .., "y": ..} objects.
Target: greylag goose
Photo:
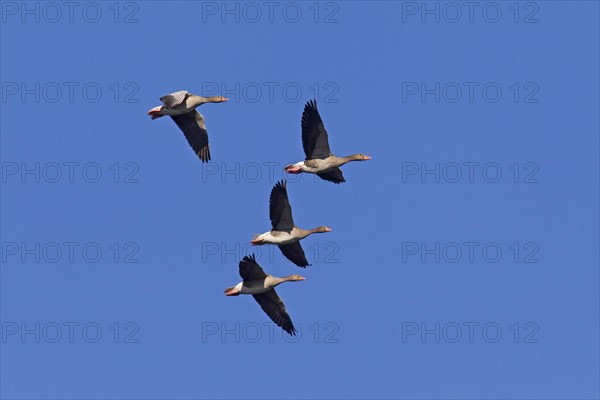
[
  {"x": 284, "y": 233},
  {"x": 181, "y": 106},
  {"x": 262, "y": 287},
  {"x": 319, "y": 159}
]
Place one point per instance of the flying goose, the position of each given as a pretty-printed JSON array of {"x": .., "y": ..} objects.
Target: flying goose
[
  {"x": 262, "y": 287},
  {"x": 319, "y": 159},
  {"x": 181, "y": 106},
  {"x": 284, "y": 233}
]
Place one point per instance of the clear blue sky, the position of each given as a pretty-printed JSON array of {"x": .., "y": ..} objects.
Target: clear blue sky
[{"x": 441, "y": 278}]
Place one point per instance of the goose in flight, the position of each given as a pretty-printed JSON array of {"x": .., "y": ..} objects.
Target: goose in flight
[
  {"x": 262, "y": 287},
  {"x": 319, "y": 159},
  {"x": 181, "y": 107},
  {"x": 284, "y": 233}
]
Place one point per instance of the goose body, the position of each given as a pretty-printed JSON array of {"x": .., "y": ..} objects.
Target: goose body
[
  {"x": 282, "y": 237},
  {"x": 256, "y": 286},
  {"x": 271, "y": 237},
  {"x": 262, "y": 287},
  {"x": 319, "y": 159},
  {"x": 181, "y": 107},
  {"x": 284, "y": 233}
]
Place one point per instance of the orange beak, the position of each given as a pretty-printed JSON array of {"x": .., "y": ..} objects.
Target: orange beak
[{"x": 366, "y": 158}]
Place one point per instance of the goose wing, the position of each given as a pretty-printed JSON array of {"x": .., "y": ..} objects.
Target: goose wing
[
  {"x": 294, "y": 253},
  {"x": 174, "y": 100},
  {"x": 333, "y": 175},
  {"x": 194, "y": 129},
  {"x": 250, "y": 270},
  {"x": 314, "y": 135},
  {"x": 280, "y": 210},
  {"x": 275, "y": 309}
]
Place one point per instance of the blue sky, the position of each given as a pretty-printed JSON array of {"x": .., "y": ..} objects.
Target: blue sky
[{"x": 463, "y": 261}]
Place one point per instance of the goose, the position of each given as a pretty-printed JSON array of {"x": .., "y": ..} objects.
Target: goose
[
  {"x": 319, "y": 159},
  {"x": 262, "y": 287},
  {"x": 181, "y": 107},
  {"x": 284, "y": 233}
]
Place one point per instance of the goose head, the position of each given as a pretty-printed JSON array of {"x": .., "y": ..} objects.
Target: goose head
[
  {"x": 295, "y": 278},
  {"x": 322, "y": 229},
  {"x": 359, "y": 157},
  {"x": 198, "y": 100},
  {"x": 219, "y": 99}
]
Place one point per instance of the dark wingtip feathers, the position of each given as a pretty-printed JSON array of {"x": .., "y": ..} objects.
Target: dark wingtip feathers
[
  {"x": 204, "y": 154},
  {"x": 310, "y": 108},
  {"x": 281, "y": 184},
  {"x": 301, "y": 264},
  {"x": 251, "y": 257},
  {"x": 311, "y": 104},
  {"x": 291, "y": 331}
]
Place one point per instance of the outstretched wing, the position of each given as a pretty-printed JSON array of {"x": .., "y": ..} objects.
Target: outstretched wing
[
  {"x": 250, "y": 270},
  {"x": 192, "y": 125},
  {"x": 314, "y": 135},
  {"x": 294, "y": 253},
  {"x": 333, "y": 175},
  {"x": 275, "y": 309},
  {"x": 280, "y": 210},
  {"x": 174, "y": 99}
]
